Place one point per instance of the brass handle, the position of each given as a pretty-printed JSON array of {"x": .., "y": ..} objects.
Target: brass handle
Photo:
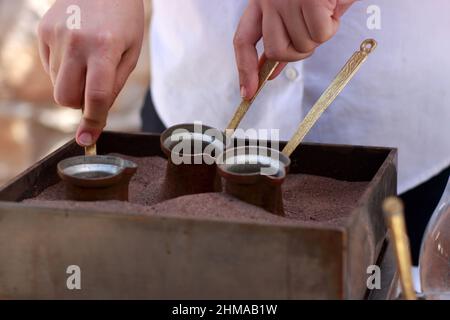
[
  {"x": 91, "y": 150},
  {"x": 333, "y": 90},
  {"x": 265, "y": 71},
  {"x": 393, "y": 211}
]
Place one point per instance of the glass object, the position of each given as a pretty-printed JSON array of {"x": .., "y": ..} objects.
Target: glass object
[{"x": 434, "y": 259}]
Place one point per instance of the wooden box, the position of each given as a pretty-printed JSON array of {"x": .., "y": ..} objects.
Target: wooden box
[{"x": 145, "y": 257}]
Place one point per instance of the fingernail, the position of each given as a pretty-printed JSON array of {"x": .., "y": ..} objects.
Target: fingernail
[
  {"x": 243, "y": 92},
  {"x": 85, "y": 139}
]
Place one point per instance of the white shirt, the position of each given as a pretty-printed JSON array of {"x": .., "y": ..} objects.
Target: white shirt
[{"x": 400, "y": 97}]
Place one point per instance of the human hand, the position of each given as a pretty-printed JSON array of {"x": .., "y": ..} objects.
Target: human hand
[
  {"x": 291, "y": 30},
  {"x": 89, "y": 66}
]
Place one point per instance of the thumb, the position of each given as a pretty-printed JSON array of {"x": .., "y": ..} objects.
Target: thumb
[{"x": 87, "y": 133}]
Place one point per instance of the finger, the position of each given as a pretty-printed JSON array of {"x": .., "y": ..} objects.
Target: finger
[
  {"x": 126, "y": 66},
  {"x": 298, "y": 31},
  {"x": 54, "y": 65},
  {"x": 277, "y": 45},
  {"x": 44, "y": 54},
  {"x": 320, "y": 21},
  {"x": 44, "y": 51},
  {"x": 70, "y": 82},
  {"x": 247, "y": 35},
  {"x": 99, "y": 96}
]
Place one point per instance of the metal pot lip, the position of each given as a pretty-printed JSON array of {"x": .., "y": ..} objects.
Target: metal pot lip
[
  {"x": 113, "y": 168},
  {"x": 239, "y": 155},
  {"x": 190, "y": 129}
]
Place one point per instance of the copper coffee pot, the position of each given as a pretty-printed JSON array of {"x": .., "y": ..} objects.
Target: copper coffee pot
[
  {"x": 198, "y": 173},
  {"x": 255, "y": 174}
]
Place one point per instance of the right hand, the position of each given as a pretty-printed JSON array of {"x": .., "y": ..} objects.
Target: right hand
[
  {"x": 290, "y": 29},
  {"x": 90, "y": 65}
]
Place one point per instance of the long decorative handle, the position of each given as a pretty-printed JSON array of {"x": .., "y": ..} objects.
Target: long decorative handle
[
  {"x": 333, "y": 90},
  {"x": 394, "y": 215},
  {"x": 265, "y": 71}
]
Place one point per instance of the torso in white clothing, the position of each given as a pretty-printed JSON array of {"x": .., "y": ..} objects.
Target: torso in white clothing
[{"x": 399, "y": 98}]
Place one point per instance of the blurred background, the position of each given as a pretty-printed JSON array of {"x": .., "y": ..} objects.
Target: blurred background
[{"x": 31, "y": 124}]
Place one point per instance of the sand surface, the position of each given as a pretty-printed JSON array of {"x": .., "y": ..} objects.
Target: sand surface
[{"x": 307, "y": 199}]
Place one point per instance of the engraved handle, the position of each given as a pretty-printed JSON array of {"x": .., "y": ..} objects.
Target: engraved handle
[
  {"x": 265, "y": 71},
  {"x": 333, "y": 90}
]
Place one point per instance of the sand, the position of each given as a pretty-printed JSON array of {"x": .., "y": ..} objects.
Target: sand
[{"x": 307, "y": 199}]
